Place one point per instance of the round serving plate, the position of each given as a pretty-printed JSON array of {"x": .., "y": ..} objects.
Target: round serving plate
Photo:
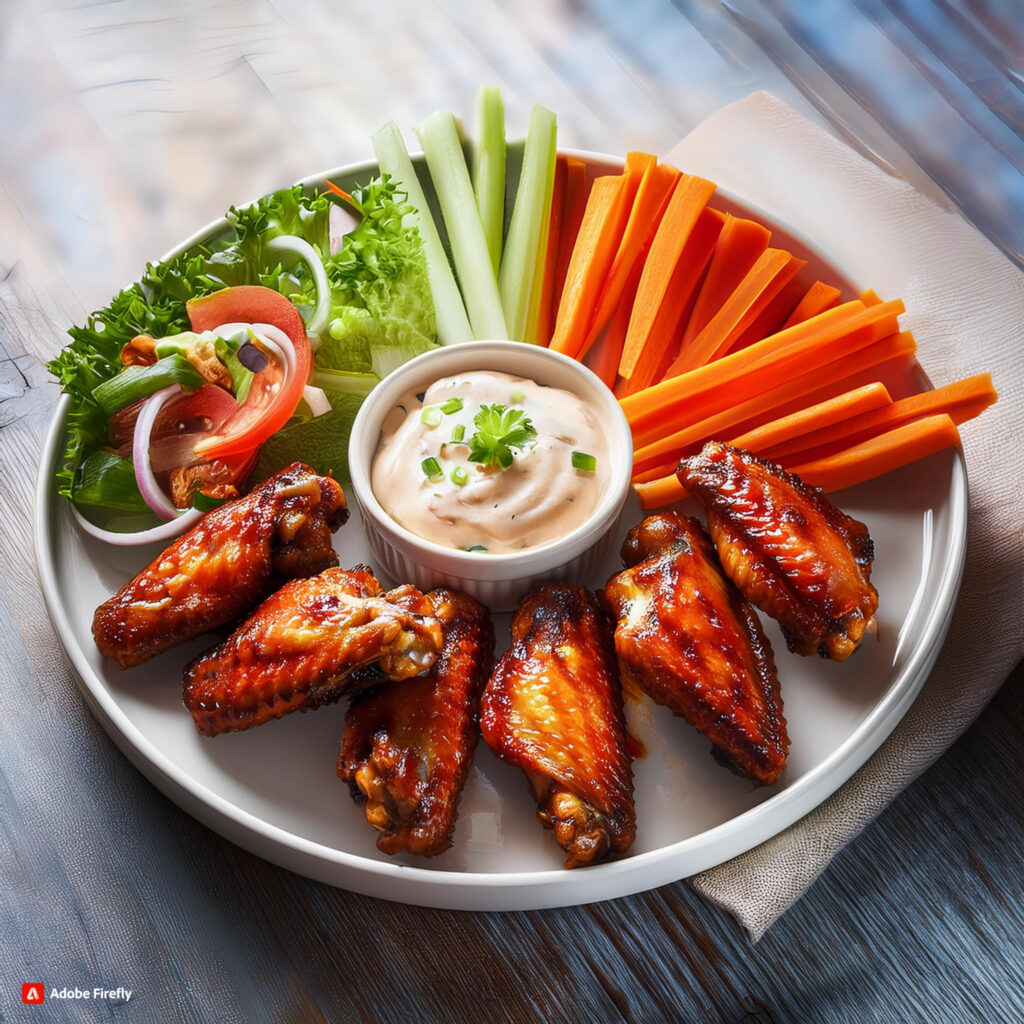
[{"x": 273, "y": 789}]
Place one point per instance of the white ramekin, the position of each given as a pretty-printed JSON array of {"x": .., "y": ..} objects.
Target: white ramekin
[{"x": 498, "y": 580}]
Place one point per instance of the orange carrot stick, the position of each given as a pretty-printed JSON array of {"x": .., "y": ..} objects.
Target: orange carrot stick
[
  {"x": 659, "y": 350},
  {"x": 604, "y": 221},
  {"x": 651, "y": 199},
  {"x": 881, "y": 454},
  {"x": 603, "y": 357},
  {"x": 577, "y": 192},
  {"x": 739, "y": 245},
  {"x": 961, "y": 401},
  {"x": 741, "y": 375},
  {"x": 869, "y": 297},
  {"x": 689, "y": 198},
  {"x": 660, "y": 492},
  {"x": 772, "y": 270},
  {"x": 546, "y": 313},
  {"x": 773, "y": 317},
  {"x": 661, "y": 457},
  {"x": 819, "y": 297},
  {"x": 816, "y": 417}
]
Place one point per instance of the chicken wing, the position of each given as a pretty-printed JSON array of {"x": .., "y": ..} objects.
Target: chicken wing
[
  {"x": 224, "y": 566},
  {"x": 408, "y": 745},
  {"x": 788, "y": 548},
  {"x": 296, "y": 651},
  {"x": 553, "y": 706},
  {"x": 687, "y": 637}
]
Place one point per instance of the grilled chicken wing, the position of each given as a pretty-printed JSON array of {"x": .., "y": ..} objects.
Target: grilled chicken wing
[
  {"x": 224, "y": 566},
  {"x": 297, "y": 649},
  {"x": 408, "y": 745},
  {"x": 687, "y": 637},
  {"x": 553, "y": 706},
  {"x": 788, "y": 548}
]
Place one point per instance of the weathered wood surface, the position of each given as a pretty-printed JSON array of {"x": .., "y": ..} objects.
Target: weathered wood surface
[{"x": 125, "y": 126}]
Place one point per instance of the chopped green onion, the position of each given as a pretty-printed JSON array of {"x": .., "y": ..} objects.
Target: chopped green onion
[
  {"x": 108, "y": 481},
  {"x": 136, "y": 382},
  {"x": 432, "y": 469},
  {"x": 204, "y": 502},
  {"x": 475, "y": 547},
  {"x": 459, "y": 476},
  {"x": 581, "y": 460},
  {"x": 430, "y": 416},
  {"x": 452, "y": 405},
  {"x": 458, "y": 433},
  {"x": 516, "y": 397}
]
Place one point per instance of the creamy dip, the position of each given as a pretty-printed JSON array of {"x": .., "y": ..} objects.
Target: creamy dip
[{"x": 552, "y": 486}]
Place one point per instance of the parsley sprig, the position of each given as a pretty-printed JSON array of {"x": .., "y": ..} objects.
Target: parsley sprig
[{"x": 499, "y": 430}]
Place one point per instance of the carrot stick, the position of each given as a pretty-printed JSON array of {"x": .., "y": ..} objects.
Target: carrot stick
[
  {"x": 815, "y": 417},
  {"x": 818, "y": 298},
  {"x": 773, "y": 317},
  {"x": 662, "y": 491},
  {"x": 546, "y": 312},
  {"x": 772, "y": 270},
  {"x": 739, "y": 245},
  {"x": 603, "y": 357},
  {"x": 741, "y": 375},
  {"x": 869, "y": 297},
  {"x": 577, "y": 192},
  {"x": 961, "y": 401},
  {"x": 661, "y": 457},
  {"x": 881, "y": 454},
  {"x": 659, "y": 351},
  {"x": 689, "y": 198},
  {"x": 331, "y": 187},
  {"x": 651, "y": 199},
  {"x": 604, "y": 221}
]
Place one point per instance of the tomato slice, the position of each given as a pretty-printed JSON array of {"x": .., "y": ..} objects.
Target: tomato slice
[{"x": 274, "y": 394}]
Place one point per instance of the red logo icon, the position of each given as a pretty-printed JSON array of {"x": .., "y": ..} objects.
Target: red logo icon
[{"x": 32, "y": 993}]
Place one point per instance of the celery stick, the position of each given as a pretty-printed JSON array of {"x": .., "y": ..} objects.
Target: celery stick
[
  {"x": 533, "y": 317},
  {"x": 449, "y": 311},
  {"x": 489, "y": 168},
  {"x": 439, "y": 137},
  {"x": 519, "y": 278}
]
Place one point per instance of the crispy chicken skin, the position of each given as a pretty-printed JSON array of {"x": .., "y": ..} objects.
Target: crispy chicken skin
[
  {"x": 297, "y": 649},
  {"x": 224, "y": 566},
  {"x": 408, "y": 745},
  {"x": 553, "y": 706},
  {"x": 687, "y": 637},
  {"x": 787, "y": 547}
]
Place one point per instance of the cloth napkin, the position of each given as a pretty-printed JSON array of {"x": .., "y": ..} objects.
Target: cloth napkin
[{"x": 965, "y": 305}]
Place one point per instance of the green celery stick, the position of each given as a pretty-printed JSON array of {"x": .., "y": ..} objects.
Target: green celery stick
[
  {"x": 519, "y": 277},
  {"x": 489, "y": 168},
  {"x": 393, "y": 158},
  {"x": 439, "y": 137}
]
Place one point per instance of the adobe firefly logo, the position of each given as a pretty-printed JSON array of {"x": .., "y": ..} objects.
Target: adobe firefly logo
[{"x": 32, "y": 993}]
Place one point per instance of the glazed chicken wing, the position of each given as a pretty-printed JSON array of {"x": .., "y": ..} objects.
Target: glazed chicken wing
[
  {"x": 297, "y": 650},
  {"x": 788, "y": 548},
  {"x": 408, "y": 745},
  {"x": 553, "y": 706},
  {"x": 224, "y": 566},
  {"x": 687, "y": 637}
]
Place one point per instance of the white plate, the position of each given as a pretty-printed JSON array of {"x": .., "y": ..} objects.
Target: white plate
[{"x": 273, "y": 789}]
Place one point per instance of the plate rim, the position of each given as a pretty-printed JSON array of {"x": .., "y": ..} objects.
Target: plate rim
[{"x": 500, "y": 891}]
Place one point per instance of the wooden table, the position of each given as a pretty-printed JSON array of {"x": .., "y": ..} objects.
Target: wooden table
[{"x": 125, "y": 126}]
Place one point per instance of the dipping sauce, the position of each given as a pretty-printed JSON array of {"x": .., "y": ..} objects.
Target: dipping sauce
[{"x": 540, "y": 486}]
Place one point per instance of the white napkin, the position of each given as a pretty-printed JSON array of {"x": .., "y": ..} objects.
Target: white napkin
[{"x": 965, "y": 304}]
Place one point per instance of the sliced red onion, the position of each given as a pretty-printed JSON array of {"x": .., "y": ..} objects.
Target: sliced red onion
[
  {"x": 341, "y": 220},
  {"x": 150, "y": 490},
  {"x": 158, "y": 533},
  {"x": 301, "y": 248},
  {"x": 317, "y": 401}
]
